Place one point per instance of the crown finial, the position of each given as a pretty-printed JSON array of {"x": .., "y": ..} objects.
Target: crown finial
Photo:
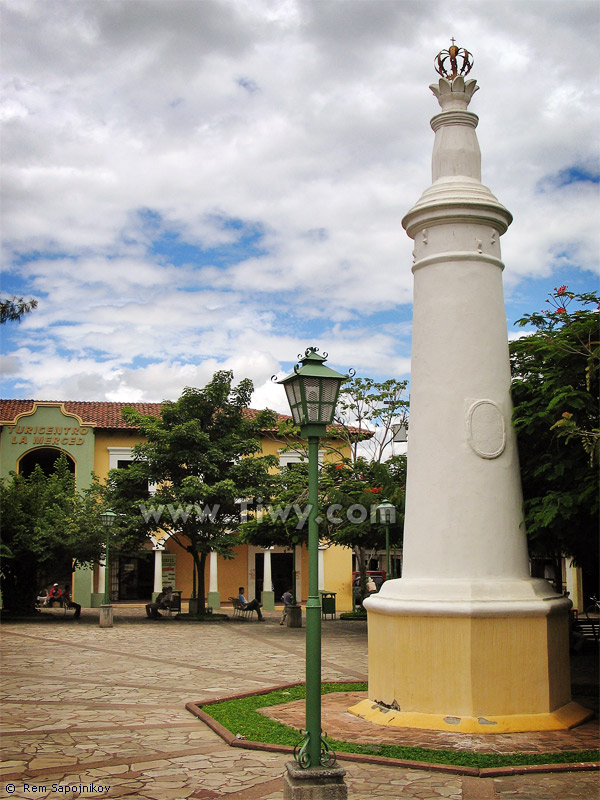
[{"x": 454, "y": 55}]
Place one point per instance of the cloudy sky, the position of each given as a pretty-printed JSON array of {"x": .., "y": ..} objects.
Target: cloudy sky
[{"x": 192, "y": 185}]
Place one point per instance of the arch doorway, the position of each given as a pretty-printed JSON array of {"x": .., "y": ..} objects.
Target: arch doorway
[{"x": 46, "y": 457}]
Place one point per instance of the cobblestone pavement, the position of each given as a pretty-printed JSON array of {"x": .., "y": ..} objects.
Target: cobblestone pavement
[{"x": 90, "y": 712}]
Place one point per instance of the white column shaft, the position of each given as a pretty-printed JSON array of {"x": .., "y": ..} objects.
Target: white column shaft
[
  {"x": 267, "y": 580},
  {"x": 213, "y": 581},
  {"x": 158, "y": 587}
]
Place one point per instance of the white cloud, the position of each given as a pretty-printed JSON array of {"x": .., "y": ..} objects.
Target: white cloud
[{"x": 279, "y": 144}]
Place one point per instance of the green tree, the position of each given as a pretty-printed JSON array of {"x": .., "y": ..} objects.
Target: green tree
[
  {"x": 353, "y": 490},
  {"x": 356, "y": 480},
  {"x": 45, "y": 522},
  {"x": 203, "y": 457},
  {"x": 12, "y": 309},
  {"x": 555, "y": 394}
]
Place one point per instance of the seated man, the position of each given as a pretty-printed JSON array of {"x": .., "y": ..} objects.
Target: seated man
[
  {"x": 163, "y": 600},
  {"x": 253, "y": 605},
  {"x": 55, "y": 595},
  {"x": 68, "y": 603}
]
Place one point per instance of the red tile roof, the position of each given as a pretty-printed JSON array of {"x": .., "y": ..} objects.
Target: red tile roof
[{"x": 103, "y": 415}]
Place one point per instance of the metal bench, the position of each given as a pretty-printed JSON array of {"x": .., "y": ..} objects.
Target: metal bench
[
  {"x": 239, "y": 611},
  {"x": 175, "y": 605}
]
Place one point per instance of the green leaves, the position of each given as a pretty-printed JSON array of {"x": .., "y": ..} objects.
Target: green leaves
[{"x": 555, "y": 395}]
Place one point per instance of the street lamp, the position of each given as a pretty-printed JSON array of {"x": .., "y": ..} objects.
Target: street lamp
[
  {"x": 106, "y": 610},
  {"x": 312, "y": 391},
  {"x": 387, "y": 515}
]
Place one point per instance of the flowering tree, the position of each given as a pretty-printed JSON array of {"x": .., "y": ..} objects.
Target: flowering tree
[{"x": 555, "y": 393}]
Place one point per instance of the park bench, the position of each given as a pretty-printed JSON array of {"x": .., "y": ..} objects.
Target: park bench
[
  {"x": 239, "y": 611},
  {"x": 174, "y": 606}
]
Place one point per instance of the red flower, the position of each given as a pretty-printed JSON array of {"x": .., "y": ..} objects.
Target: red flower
[
  {"x": 339, "y": 466},
  {"x": 561, "y": 290},
  {"x": 561, "y": 310}
]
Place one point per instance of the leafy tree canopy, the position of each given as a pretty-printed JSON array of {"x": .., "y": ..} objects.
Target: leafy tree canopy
[
  {"x": 202, "y": 458},
  {"x": 44, "y": 522},
  {"x": 556, "y": 399},
  {"x": 351, "y": 485}
]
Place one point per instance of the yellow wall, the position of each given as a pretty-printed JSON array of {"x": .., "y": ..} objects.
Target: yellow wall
[
  {"x": 106, "y": 439},
  {"x": 337, "y": 575}
]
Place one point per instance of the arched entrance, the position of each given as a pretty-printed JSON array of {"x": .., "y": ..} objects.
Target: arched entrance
[{"x": 46, "y": 457}]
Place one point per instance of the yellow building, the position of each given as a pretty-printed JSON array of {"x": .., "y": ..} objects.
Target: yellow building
[{"x": 95, "y": 438}]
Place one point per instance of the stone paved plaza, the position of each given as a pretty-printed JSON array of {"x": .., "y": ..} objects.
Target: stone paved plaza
[{"x": 84, "y": 705}]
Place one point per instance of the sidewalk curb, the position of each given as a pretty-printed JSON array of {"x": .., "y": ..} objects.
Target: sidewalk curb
[{"x": 197, "y": 709}]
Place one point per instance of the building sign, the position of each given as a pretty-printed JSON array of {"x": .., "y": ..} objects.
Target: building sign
[
  {"x": 168, "y": 569},
  {"x": 48, "y": 425},
  {"x": 46, "y": 434}
]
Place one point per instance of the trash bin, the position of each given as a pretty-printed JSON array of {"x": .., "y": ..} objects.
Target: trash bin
[{"x": 328, "y": 604}]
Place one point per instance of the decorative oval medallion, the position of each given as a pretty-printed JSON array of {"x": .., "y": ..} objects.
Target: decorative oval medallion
[{"x": 486, "y": 431}]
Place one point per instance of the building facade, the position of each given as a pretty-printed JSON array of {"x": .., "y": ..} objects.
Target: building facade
[{"x": 95, "y": 439}]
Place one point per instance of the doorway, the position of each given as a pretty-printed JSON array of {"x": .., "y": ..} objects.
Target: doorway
[
  {"x": 136, "y": 577},
  {"x": 281, "y": 574}
]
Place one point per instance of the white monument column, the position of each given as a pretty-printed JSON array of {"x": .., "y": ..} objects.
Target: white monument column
[
  {"x": 214, "y": 597},
  {"x": 465, "y": 641}
]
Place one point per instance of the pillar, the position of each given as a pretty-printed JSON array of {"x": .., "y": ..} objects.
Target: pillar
[
  {"x": 97, "y": 597},
  {"x": 471, "y": 642},
  {"x": 268, "y": 595},
  {"x": 158, "y": 579},
  {"x": 322, "y": 549},
  {"x": 214, "y": 597},
  {"x": 574, "y": 582}
]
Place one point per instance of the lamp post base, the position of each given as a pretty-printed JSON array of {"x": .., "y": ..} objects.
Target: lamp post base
[
  {"x": 316, "y": 783},
  {"x": 106, "y": 616}
]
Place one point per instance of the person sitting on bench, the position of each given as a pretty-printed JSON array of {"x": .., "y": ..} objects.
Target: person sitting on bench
[
  {"x": 68, "y": 603},
  {"x": 55, "y": 595},
  {"x": 163, "y": 600},
  {"x": 253, "y": 605}
]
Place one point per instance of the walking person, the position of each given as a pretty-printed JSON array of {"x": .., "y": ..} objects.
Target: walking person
[{"x": 288, "y": 600}]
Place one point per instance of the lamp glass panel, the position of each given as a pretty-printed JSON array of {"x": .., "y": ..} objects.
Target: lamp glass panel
[
  {"x": 312, "y": 390},
  {"x": 293, "y": 393},
  {"x": 329, "y": 389}
]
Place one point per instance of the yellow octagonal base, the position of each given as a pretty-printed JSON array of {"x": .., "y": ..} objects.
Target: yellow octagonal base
[
  {"x": 564, "y": 718},
  {"x": 470, "y": 674}
]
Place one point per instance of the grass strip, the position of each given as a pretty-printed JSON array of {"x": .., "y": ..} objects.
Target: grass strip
[{"x": 241, "y": 716}]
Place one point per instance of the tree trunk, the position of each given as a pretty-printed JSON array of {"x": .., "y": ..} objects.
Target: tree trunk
[{"x": 200, "y": 562}]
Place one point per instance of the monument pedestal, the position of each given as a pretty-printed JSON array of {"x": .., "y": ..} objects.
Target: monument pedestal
[{"x": 471, "y": 666}]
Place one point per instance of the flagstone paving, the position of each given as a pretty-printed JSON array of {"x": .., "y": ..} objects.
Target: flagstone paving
[{"x": 90, "y": 712}]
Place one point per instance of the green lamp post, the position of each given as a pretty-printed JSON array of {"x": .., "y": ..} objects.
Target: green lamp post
[
  {"x": 387, "y": 515},
  {"x": 106, "y": 617},
  {"x": 312, "y": 391}
]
